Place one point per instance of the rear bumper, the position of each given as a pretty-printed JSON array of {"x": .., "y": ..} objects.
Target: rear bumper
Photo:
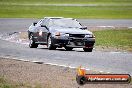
[{"x": 74, "y": 42}]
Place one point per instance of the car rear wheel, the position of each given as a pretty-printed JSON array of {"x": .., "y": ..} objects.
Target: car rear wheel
[
  {"x": 50, "y": 44},
  {"x": 68, "y": 48},
  {"x": 32, "y": 43},
  {"x": 88, "y": 49}
]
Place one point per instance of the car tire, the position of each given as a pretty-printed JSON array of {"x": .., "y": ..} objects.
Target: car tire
[
  {"x": 32, "y": 43},
  {"x": 88, "y": 49},
  {"x": 50, "y": 44},
  {"x": 68, "y": 48}
]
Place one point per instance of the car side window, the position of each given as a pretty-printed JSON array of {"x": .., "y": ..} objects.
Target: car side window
[
  {"x": 45, "y": 22},
  {"x": 39, "y": 23}
]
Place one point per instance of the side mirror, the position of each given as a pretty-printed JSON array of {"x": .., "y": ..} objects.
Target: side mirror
[
  {"x": 34, "y": 23},
  {"x": 43, "y": 25},
  {"x": 84, "y": 28}
]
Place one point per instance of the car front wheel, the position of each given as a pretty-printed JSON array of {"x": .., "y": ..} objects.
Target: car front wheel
[
  {"x": 50, "y": 44},
  {"x": 88, "y": 49},
  {"x": 32, "y": 43}
]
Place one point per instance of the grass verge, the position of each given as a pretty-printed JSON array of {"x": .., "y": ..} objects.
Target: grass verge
[
  {"x": 4, "y": 83},
  {"x": 120, "y": 39},
  {"x": 38, "y": 11},
  {"x": 67, "y": 1}
]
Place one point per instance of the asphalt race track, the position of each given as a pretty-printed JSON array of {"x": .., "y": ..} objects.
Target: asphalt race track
[{"x": 114, "y": 62}]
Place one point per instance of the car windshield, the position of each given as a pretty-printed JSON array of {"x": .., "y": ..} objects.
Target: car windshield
[{"x": 68, "y": 23}]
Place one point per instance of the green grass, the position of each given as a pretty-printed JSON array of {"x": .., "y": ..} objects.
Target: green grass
[
  {"x": 18, "y": 11},
  {"x": 114, "y": 38},
  {"x": 4, "y": 83},
  {"x": 67, "y": 1}
]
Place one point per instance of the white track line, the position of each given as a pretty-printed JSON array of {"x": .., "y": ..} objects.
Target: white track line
[{"x": 52, "y": 64}]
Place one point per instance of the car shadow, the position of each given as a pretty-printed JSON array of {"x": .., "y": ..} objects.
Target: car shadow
[
  {"x": 79, "y": 51},
  {"x": 58, "y": 49}
]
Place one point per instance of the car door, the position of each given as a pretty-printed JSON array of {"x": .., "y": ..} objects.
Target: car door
[
  {"x": 42, "y": 32},
  {"x": 36, "y": 31}
]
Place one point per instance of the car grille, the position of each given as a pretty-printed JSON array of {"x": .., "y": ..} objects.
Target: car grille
[{"x": 77, "y": 35}]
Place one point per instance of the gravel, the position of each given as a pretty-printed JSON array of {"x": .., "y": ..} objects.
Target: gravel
[{"x": 46, "y": 76}]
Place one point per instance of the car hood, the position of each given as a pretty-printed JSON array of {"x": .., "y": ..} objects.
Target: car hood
[{"x": 70, "y": 30}]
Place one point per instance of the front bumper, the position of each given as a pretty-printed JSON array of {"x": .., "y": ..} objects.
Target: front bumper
[{"x": 74, "y": 42}]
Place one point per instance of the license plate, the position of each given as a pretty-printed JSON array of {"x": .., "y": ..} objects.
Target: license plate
[{"x": 79, "y": 43}]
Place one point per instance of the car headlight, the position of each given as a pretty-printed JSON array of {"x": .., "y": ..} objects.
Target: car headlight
[
  {"x": 61, "y": 34},
  {"x": 57, "y": 34},
  {"x": 89, "y": 35}
]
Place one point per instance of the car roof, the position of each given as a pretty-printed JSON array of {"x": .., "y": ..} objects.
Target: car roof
[{"x": 56, "y": 18}]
